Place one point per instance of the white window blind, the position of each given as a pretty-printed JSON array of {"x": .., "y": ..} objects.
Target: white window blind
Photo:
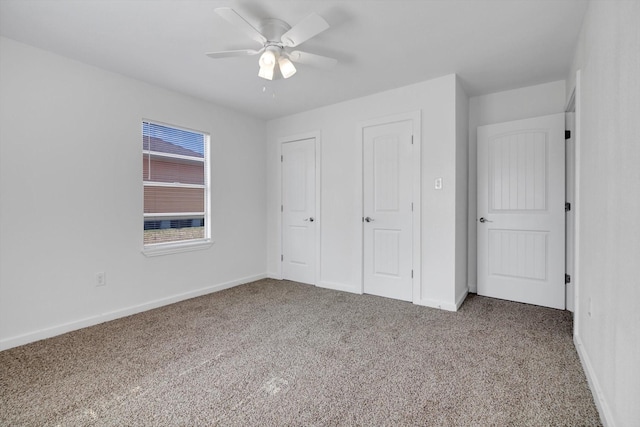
[{"x": 176, "y": 179}]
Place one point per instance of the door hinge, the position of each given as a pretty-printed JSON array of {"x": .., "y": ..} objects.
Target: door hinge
[
  {"x": 567, "y": 206},
  {"x": 567, "y": 279},
  {"x": 412, "y": 274},
  {"x": 281, "y": 158},
  {"x": 281, "y": 258},
  {"x": 411, "y": 206},
  {"x": 411, "y": 139},
  {"x": 281, "y": 208},
  {"x": 567, "y": 134}
]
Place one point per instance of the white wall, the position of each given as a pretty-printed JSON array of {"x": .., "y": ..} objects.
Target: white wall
[
  {"x": 341, "y": 193},
  {"x": 523, "y": 103},
  {"x": 608, "y": 287},
  {"x": 71, "y": 196}
]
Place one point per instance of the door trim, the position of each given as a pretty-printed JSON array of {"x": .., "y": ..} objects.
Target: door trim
[
  {"x": 415, "y": 118},
  {"x": 575, "y": 105},
  {"x": 316, "y": 135}
]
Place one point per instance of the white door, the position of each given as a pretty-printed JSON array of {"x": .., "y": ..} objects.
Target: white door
[
  {"x": 298, "y": 210},
  {"x": 521, "y": 223},
  {"x": 387, "y": 216}
]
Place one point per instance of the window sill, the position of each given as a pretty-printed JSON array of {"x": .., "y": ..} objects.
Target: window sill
[{"x": 174, "y": 248}]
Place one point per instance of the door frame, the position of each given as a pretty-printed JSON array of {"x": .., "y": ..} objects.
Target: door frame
[
  {"x": 574, "y": 105},
  {"x": 415, "y": 118},
  {"x": 317, "y": 214}
]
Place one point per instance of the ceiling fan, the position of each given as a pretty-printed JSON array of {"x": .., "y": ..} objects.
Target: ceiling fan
[{"x": 276, "y": 37}]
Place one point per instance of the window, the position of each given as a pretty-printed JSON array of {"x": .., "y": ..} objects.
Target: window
[{"x": 175, "y": 171}]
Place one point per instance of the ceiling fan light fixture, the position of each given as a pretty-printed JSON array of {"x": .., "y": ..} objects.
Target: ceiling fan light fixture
[
  {"x": 267, "y": 59},
  {"x": 267, "y": 62},
  {"x": 286, "y": 67},
  {"x": 266, "y": 72}
]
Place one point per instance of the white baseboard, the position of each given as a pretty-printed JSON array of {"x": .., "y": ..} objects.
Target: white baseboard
[
  {"x": 30, "y": 337},
  {"x": 442, "y": 305},
  {"x": 594, "y": 385},
  {"x": 339, "y": 287},
  {"x": 461, "y": 299}
]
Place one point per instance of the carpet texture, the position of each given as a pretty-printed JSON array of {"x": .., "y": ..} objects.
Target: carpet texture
[{"x": 282, "y": 353}]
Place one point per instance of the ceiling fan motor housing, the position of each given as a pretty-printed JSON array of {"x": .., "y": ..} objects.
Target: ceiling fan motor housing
[{"x": 273, "y": 29}]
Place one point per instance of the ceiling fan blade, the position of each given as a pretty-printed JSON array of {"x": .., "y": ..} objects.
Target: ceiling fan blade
[
  {"x": 232, "y": 53},
  {"x": 312, "y": 59},
  {"x": 310, "y": 26},
  {"x": 233, "y": 17}
]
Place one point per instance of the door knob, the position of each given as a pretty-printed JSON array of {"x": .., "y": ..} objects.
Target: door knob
[
  {"x": 310, "y": 219},
  {"x": 483, "y": 220},
  {"x": 368, "y": 219}
]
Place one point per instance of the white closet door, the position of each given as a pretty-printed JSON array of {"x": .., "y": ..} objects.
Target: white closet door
[
  {"x": 521, "y": 217},
  {"x": 298, "y": 211},
  {"x": 387, "y": 168}
]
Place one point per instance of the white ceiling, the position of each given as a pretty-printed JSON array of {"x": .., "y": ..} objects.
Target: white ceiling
[{"x": 492, "y": 45}]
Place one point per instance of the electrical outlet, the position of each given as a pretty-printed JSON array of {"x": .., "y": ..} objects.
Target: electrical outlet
[
  {"x": 101, "y": 279},
  {"x": 438, "y": 184}
]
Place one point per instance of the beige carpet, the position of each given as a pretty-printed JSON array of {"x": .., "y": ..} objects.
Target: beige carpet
[{"x": 281, "y": 353}]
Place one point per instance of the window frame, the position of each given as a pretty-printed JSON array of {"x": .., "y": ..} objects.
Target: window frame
[{"x": 164, "y": 248}]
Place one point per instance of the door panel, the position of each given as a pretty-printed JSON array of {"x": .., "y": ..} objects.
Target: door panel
[
  {"x": 387, "y": 206},
  {"x": 387, "y": 252},
  {"x": 386, "y": 186},
  {"x": 518, "y": 254},
  {"x": 298, "y": 247},
  {"x": 298, "y": 211},
  {"x": 518, "y": 171},
  {"x": 521, "y": 211}
]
